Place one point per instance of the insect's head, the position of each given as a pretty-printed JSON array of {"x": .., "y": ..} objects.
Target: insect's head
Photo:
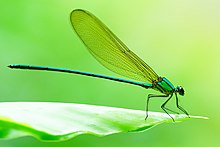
[{"x": 180, "y": 90}]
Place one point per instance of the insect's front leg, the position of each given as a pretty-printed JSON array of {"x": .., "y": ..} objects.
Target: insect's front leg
[{"x": 181, "y": 108}]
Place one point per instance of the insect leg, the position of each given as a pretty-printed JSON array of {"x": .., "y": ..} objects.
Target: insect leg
[
  {"x": 171, "y": 110},
  {"x": 179, "y": 107},
  {"x": 148, "y": 98},
  {"x": 164, "y": 108}
]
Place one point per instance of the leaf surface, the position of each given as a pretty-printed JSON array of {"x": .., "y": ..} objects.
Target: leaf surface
[{"x": 49, "y": 121}]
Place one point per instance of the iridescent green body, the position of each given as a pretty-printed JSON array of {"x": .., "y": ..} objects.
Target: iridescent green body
[
  {"x": 164, "y": 86},
  {"x": 113, "y": 54}
]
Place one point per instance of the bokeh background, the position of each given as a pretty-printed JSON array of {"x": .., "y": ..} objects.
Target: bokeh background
[{"x": 178, "y": 39}]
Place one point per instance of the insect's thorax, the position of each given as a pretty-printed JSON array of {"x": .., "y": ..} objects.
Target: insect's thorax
[{"x": 163, "y": 85}]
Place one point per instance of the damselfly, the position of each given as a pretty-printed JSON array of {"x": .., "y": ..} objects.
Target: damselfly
[{"x": 112, "y": 53}]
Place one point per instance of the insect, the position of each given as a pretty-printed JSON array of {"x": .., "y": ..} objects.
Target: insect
[{"x": 113, "y": 54}]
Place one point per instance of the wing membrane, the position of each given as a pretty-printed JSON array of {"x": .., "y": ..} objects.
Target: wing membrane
[{"x": 108, "y": 49}]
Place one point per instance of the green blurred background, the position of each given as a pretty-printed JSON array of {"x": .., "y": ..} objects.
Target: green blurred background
[{"x": 178, "y": 39}]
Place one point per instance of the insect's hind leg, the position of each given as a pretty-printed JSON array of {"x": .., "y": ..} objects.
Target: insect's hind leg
[{"x": 148, "y": 98}]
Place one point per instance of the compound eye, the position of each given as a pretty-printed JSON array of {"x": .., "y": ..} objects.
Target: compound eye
[{"x": 180, "y": 90}]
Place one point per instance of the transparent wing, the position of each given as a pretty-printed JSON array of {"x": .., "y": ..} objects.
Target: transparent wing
[{"x": 108, "y": 49}]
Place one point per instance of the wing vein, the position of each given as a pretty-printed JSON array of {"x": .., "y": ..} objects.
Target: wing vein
[{"x": 108, "y": 49}]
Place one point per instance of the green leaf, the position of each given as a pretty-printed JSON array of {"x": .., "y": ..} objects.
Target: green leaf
[{"x": 61, "y": 121}]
